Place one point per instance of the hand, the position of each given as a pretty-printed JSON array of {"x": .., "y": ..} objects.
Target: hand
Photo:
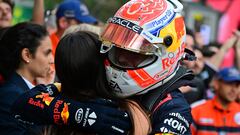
[
  {"x": 237, "y": 46},
  {"x": 105, "y": 118},
  {"x": 48, "y": 79},
  {"x": 229, "y": 43},
  {"x": 185, "y": 89},
  {"x": 237, "y": 33}
]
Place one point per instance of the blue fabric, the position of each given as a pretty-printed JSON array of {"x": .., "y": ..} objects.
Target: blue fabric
[
  {"x": 76, "y": 10},
  {"x": 45, "y": 105},
  {"x": 229, "y": 74},
  {"x": 9, "y": 93},
  {"x": 173, "y": 116}
]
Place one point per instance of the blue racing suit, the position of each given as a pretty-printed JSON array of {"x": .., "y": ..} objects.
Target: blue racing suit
[{"x": 170, "y": 112}]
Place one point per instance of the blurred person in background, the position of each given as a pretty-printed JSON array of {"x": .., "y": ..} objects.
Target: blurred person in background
[
  {"x": 197, "y": 91},
  {"x": 190, "y": 39},
  {"x": 213, "y": 63},
  {"x": 220, "y": 115},
  {"x": 206, "y": 68},
  {"x": 50, "y": 21},
  {"x": 6, "y": 12},
  {"x": 70, "y": 12},
  {"x": 210, "y": 49}
]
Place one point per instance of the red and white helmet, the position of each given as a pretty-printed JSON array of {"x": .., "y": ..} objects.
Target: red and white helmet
[{"x": 145, "y": 41}]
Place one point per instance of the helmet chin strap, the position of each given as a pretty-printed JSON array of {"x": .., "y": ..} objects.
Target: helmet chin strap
[{"x": 189, "y": 55}]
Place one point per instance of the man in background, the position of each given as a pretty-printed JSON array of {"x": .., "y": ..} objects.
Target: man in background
[
  {"x": 70, "y": 12},
  {"x": 223, "y": 112},
  {"x": 6, "y": 12}
]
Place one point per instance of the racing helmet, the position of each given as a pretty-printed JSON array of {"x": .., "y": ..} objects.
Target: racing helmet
[{"x": 144, "y": 42}]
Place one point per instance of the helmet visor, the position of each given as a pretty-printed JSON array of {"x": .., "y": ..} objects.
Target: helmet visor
[
  {"x": 127, "y": 38},
  {"x": 125, "y": 59}
]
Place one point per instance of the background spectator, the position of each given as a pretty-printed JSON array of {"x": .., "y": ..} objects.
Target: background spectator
[
  {"x": 220, "y": 114},
  {"x": 70, "y": 12},
  {"x": 6, "y": 12}
]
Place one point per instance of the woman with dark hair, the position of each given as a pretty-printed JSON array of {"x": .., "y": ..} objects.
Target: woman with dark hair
[
  {"x": 26, "y": 46},
  {"x": 80, "y": 68},
  {"x": 26, "y": 54},
  {"x": 78, "y": 61}
]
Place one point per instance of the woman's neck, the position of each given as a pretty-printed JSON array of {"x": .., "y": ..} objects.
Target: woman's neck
[{"x": 26, "y": 74}]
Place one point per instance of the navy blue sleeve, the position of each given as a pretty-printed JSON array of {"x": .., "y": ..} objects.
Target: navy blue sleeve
[
  {"x": 173, "y": 115},
  {"x": 32, "y": 107},
  {"x": 45, "y": 105}
]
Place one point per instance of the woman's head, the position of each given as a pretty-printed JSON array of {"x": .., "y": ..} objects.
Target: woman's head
[
  {"x": 79, "y": 65},
  {"x": 26, "y": 48}
]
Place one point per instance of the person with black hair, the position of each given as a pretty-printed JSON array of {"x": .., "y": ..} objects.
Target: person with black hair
[
  {"x": 25, "y": 55},
  {"x": 80, "y": 68},
  {"x": 191, "y": 42},
  {"x": 210, "y": 49}
]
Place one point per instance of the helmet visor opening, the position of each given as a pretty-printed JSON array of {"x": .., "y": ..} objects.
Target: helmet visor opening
[
  {"x": 125, "y": 59},
  {"x": 127, "y": 38}
]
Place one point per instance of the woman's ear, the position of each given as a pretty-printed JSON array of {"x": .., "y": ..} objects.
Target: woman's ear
[{"x": 26, "y": 55}]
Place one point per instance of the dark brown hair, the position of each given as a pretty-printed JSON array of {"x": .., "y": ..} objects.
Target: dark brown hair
[{"x": 10, "y": 3}]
